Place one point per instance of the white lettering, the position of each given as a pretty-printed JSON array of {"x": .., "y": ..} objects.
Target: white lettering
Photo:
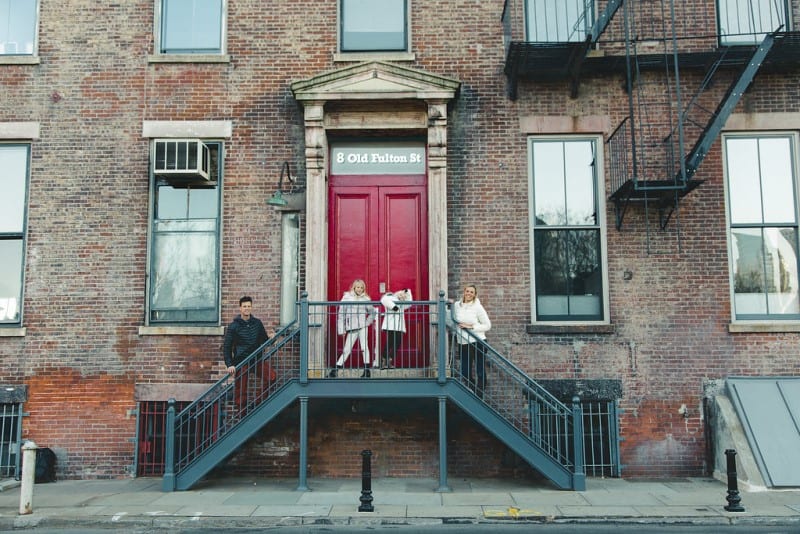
[{"x": 388, "y": 158}]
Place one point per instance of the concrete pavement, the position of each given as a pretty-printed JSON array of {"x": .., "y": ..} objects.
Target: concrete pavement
[{"x": 256, "y": 502}]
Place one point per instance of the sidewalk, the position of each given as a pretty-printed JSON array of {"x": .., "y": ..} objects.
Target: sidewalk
[{"x": 243, "y": 502}]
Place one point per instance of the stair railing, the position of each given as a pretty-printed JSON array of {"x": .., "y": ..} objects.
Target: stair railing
[
  {"x": 200, "y": 425},
  {"x": 544, "y": 420}
]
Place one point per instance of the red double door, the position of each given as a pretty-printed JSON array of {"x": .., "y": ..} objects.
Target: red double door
[{"x": 378, "y": 232}]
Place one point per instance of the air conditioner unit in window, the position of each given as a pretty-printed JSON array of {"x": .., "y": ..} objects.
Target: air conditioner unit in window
[{"x": 181, "y": 159}]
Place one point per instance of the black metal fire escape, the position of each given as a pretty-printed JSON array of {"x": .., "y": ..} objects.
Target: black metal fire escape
[{"x": 647, "y": 168}]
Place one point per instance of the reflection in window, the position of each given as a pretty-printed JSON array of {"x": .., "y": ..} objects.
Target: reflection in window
[
  {"x": 558, "y": 21},
  {"x": 566, "y": 233},
  {"x": 17, "y": 27},
  {"x": 374, "y": 26},
  {"x": 746, "y": 22},
  {"x": 764, "y": 231},
  {"x": 184, "y": 249},
  {"x": 192, "y": 26},
  {"x": 13, "y": 202}
]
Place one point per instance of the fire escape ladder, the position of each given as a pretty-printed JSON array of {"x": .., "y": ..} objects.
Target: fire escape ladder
[
  {"x": 579, "y": 53},
  {"x": 726, "y": 106}
]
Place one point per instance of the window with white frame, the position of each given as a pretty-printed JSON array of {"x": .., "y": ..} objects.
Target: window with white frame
[
  {"x": 183, "y": 282},
  {"x": 192, "y": 26},
  {"x": 14, "y": 170},
  {"x": 18, "y": 27},
  {"x": 558, "y": 21},
  {"x": 373, "y": 26},
  {"x": 746, "y": 22},
  {"x": 567, "y": 245},
  {"x": 761, "y": 179}
]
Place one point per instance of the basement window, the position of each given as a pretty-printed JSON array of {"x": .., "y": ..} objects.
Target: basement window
[{"x": 10, "y": 431}]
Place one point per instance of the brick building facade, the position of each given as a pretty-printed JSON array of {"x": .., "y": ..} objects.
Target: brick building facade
[{"x": 91, "y": 332}]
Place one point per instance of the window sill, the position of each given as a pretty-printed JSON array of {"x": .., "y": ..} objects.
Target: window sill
[
  {"x": 19, "y": 60},
  {"x": 181, "y": 330},
  {"x": 189, "y": 58},
  {"x": 374, "y": 56},
  {"x": 571, "y": 329},
  {"x": 763, "y": 327},
  {"x": 16, "y": 331}
]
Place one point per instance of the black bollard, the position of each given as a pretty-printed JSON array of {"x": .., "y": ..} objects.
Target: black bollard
[
  {"x": 366, "y": 482},
  {"x": 733, "y": 484}
]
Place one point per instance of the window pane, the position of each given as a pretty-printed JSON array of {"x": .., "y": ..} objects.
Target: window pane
[
  {"x": 568, "y": 274},
  {"x": 203, "y": 203},
  {"x": 765, "y": 271},
  {"x": 290, "y": 266},
  {"x": 184, "y": 271},
  {"x": 776, "y": 180},
  {"x": 373, "y": 25},
  {"x": 13, "y": 174},
  {"x": 17, "y": 26},
  {"x": 747, "y": 21},
  {"x": 171, "y": 203},
  {"x": 780, "y": 251},
  {"x": 743, "y": 180},
  {"x": 10, "y": 280},
  {"x": 558, "y": 20},
  {"x": 191, "y": 26},
  {"x": 549, "y": 183},
  {"x": 579, "y": 175}
]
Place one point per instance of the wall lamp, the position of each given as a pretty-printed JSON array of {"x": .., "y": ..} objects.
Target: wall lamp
[{"x": 294, "y": 199}]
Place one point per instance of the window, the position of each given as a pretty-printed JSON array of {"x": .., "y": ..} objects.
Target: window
[
  {"x": 184, "y": 246},
  {"x": 374, "y": 25},
  {"x": 14, "y": 185},
  {"x": 192, "y": 26},
  {"x": 565, "y": 231},
  {"x": 746, "y": 22},
  {"x": 17, "y": 27},
  {"x": 290, "y": 266},
  {"x": 762, "y": 212},
  {"x": 558, "y": 21}
]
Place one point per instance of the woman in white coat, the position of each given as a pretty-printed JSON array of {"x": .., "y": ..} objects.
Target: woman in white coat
[
  {"x": 468, "y": 314},
  {"x": 352, "y": 322},
  {"x": 394, "y": 324}
]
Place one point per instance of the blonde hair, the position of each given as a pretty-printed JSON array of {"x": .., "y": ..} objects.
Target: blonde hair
[{"x": 363, "y": 283}]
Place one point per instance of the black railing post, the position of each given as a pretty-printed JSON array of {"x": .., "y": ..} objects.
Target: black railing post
[
  {"x": 734, "y": 501},
  {"x": 304, "y": 337},
  {"x": 578, "y": 475},
  {"x": 442, "y": 324},
  {"x": 366, "y": 482},
  {"x": 168, "y": 483}
]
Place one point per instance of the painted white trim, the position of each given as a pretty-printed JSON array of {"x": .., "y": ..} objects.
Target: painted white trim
[
  {"x": 19, "y": 130},
  {"x": 181, "y": 330},
  {"x": 191, "y": 129}
]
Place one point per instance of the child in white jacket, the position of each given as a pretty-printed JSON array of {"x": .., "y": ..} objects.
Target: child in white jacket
[
  {"x": 352, "y": 323},
  {"x": 394, "y": 324}
]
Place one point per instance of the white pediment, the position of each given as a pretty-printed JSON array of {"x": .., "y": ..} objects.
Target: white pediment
[{"x": 375, "y": 80}]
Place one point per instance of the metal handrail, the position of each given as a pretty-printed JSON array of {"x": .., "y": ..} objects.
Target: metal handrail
[{"x": 539, "y": 417}]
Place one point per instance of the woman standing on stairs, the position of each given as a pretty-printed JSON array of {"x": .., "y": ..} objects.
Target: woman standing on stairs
[
  {"x": 468, "y": 314},
  {"x": 352, "y": 322}
]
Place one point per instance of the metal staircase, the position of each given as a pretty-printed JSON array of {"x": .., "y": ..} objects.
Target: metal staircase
[{"x": 514, "y": 408}]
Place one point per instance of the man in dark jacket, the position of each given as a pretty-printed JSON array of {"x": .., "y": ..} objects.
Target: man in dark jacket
[{"x": 242, "y": 337}]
